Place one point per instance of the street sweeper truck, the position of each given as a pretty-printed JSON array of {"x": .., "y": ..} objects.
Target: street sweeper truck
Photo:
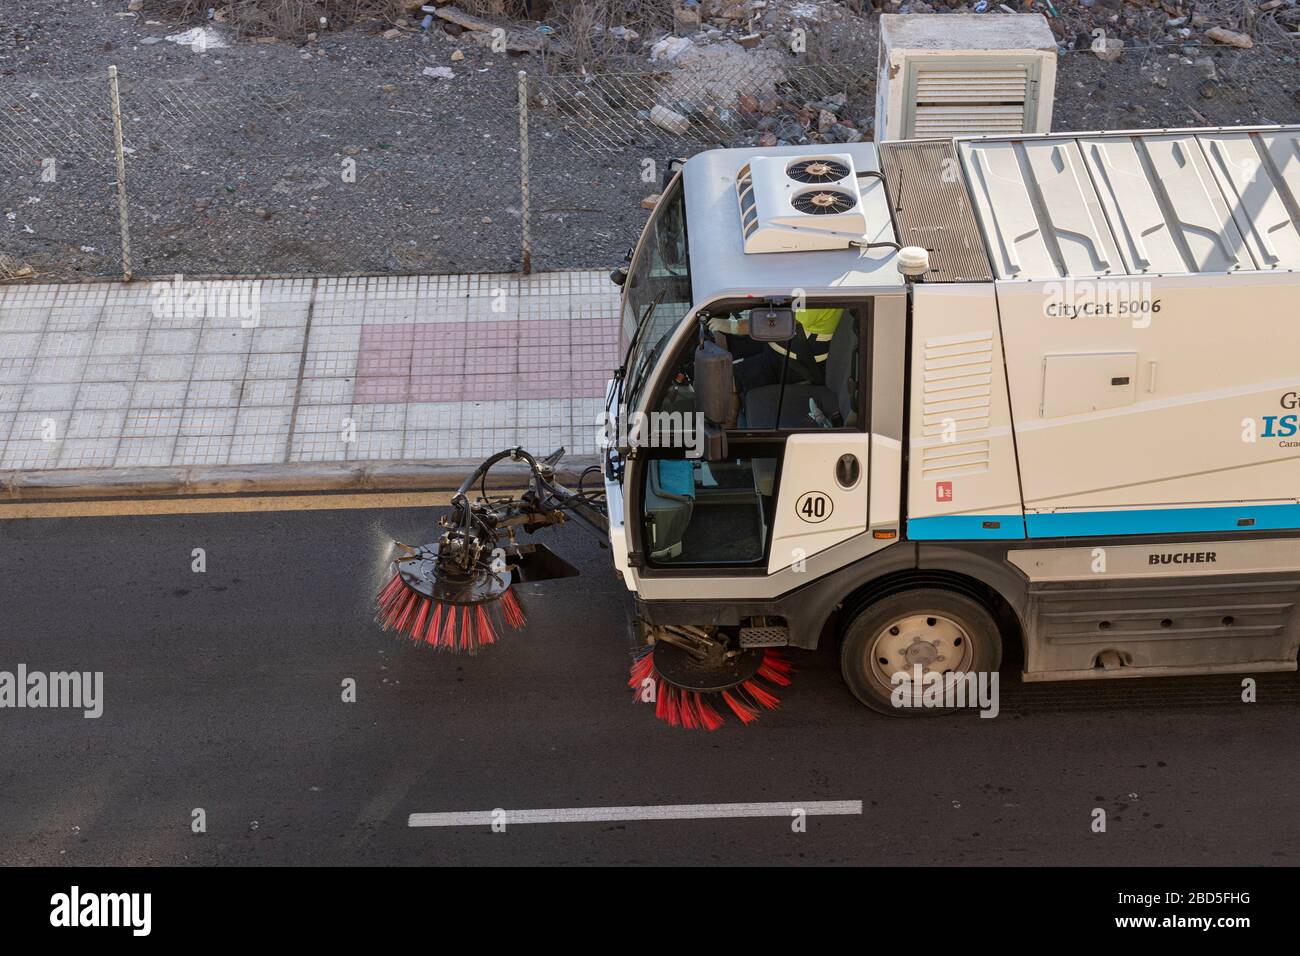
[{"x": 928, "y": 400}]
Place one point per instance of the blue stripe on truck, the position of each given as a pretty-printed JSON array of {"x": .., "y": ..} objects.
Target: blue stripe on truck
[
  {"x": 966, "y": 528},
  {"x": 1090, "y": 524},
  {"x": 1082, "y": 524}
]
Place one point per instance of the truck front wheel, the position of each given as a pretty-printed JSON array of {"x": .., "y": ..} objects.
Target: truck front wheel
[{"x": 905, "y": 654}]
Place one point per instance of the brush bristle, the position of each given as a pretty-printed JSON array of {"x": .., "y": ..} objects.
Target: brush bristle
[
  {"x": 693, "y": 710},
  {"x": 453, "y": 627}
]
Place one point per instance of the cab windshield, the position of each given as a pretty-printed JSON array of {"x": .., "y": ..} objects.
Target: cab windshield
[{"x": 657, "y": 293}]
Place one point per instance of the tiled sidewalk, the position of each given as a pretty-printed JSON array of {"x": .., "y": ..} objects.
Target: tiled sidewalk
[{"x": 335, "y": 369}]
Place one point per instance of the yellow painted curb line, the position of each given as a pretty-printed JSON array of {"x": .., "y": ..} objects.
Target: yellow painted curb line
[{"x": 144, "y": 507}]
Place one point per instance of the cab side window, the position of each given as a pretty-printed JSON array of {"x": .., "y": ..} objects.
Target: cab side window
[
  {"x": 809, "y": 382},
  {"x": 814, "y": 378}
]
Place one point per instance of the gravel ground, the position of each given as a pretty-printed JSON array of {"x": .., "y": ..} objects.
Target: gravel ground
[{"x": 239, "y": 154}]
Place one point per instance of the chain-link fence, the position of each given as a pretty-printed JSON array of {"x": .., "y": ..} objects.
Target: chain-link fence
[
  {"x": 615, "y": 112},
  {"x": 228, "y": 177},
  {"x": 56, "y": 179},
  {"x": 317, "y": 169}
]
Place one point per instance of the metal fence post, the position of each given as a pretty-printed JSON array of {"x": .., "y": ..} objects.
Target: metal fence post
[
  {"x": 526, "y": 236},
  {"x": 121, "y": 175}
]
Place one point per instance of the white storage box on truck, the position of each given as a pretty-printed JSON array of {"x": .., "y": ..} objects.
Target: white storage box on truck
[{"x": 964, "y": 74}]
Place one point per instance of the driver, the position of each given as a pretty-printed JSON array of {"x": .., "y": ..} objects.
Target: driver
[{"x": 756, "y": 366}]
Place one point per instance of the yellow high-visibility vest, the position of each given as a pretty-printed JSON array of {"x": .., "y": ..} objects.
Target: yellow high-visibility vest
[{"x": 819, "y": 326}]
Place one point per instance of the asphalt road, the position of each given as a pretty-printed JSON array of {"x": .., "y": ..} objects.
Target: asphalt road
[{"x": 222, "y": 691}]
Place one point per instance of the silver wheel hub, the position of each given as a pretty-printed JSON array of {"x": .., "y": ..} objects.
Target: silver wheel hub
[
  {"x": 932, "y": 642},
  {"x": 925, "y": 653}
]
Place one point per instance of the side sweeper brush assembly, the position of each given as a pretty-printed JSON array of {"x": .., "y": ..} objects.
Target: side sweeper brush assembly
[
  {"x": 446, "y": 602},
  {"x": 456, "y": 593}
]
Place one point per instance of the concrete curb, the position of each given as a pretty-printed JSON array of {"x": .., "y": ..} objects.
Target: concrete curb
[{"x": 79, "y": 484}]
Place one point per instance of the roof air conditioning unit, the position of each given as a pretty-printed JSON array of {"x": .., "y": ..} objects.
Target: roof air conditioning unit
[
  {"x": 800, "y": 203},
  {"x": 964, "y": 74}
]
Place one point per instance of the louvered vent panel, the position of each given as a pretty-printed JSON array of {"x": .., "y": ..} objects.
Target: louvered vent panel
[
  {"x": 964, "y": 102},
  {"x": 956, "y": 395}
]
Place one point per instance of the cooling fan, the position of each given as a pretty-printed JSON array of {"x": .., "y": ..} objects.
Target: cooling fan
[
  {"x": 824, "y": 202},
  {"x": 817, "y": 171}
]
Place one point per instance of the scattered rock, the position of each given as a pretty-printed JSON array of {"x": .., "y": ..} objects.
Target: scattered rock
[
  {"x": 669, "y": 49},
  {"x": 456, "y": 56},
  {"x": 392, "y": 34},
  {"x": 261, "y": 213},
  {"x": 686, "y": 14},
  {"x": 438, "y": 72},
  {"x": 791, "y": 131},
  {"x": 650, "y": 201},
  {"x": 1230, "y": 37}
]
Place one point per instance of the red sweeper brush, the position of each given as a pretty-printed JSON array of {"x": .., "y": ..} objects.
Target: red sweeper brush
[
  {"x": 695, "y": 694},
  {"x": 440, "y": 596}
]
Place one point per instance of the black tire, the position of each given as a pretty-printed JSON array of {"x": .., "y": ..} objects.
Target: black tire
[{"x": 982, "y": 644}]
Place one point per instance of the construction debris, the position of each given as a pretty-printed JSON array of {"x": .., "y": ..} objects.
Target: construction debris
[
  {"x": 670, "y": 120},
  {"x": 515, "y": 41},
  {"x": 1108, "y": 49}
]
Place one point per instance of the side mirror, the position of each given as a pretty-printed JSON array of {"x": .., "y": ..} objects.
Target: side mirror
[
  {"x": 671, "y": 168},
  {"x": 618, "y": 275},
  {"x": 771, "y": 325}
]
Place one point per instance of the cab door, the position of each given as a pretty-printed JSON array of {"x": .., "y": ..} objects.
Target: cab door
[
  {"x": 794, "y": 482},
  {"x": 822, "y": 499}
]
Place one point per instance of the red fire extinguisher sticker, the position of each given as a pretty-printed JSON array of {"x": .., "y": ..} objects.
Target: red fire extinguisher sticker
[{"x": 943, "y": 491}]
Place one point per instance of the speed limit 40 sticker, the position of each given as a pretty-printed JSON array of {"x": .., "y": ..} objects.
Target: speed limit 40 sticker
[{"x": 814, "y": 506}]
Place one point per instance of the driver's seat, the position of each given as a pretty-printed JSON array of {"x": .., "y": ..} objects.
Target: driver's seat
[{"x": 835, "y": 398}]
